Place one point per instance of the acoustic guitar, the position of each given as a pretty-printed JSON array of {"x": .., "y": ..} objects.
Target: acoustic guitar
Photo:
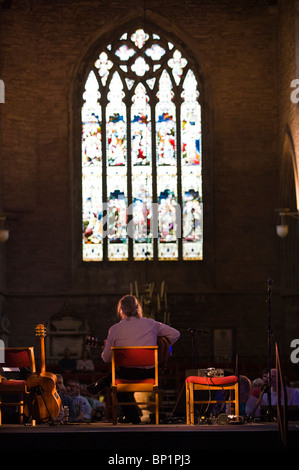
[
  {"x": 43, "y": 403},
  {"x": 162, "y": 342}
]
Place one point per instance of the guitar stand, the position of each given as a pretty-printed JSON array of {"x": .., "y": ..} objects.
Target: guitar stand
[{"x": 38, "y": 391}]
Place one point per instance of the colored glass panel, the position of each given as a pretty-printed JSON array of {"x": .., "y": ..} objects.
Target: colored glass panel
[
  {"x": 191, "y": 170},
  {"x": 155, "y": 52},
  {"x": 167, "y": 182},
  {"x": 167, "y": 213},
  {"x": 91, "y": 145},
  {"x": 141, "y": 154},
  {"x": 140, "y": 66},
  {"x": 177, "y": 63},
  {"x": 139, "y": 38},
  {"x": 124, "y": 52},
  {"x": 140, "y": 128},
  {"x": 165, "y": 123},
  {"x": 142, "y": 213},
  {"x": 116, "y": 130},
  {"x": 117, "y": 198},
  {"x": 117, "y": 203},
  {"x": 103, "y": 64}
]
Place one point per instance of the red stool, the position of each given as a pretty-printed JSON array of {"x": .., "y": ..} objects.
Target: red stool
[
  {"x": 17, "y": 389},
  {"x": 195, "y": 383}
]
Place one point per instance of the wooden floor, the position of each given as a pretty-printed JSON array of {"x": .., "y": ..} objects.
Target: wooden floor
[{"x": 149, "y": 439}]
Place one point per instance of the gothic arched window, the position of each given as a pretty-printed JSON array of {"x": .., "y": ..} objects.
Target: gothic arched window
[{"x": 141, "y": 153}]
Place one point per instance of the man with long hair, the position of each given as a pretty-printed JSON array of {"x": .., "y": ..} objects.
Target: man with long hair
[{"x": 134, "y": 330}]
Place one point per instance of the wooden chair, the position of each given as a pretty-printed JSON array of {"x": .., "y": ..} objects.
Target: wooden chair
[
  {"x": 134, "y": 356},
  {"x": 16, "y": 358},
  {"x": 211, "y": 384}
]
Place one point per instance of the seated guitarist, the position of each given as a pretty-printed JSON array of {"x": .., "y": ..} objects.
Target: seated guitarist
[{"x": 134, "y": 330}]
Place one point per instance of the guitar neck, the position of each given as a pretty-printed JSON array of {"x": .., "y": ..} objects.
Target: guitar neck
[
  {"x": 40, "y": 331},
  {"x": 42, "y": 355}
]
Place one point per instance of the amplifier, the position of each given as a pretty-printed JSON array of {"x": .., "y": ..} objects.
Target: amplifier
[{"x": 209, "y": 372}]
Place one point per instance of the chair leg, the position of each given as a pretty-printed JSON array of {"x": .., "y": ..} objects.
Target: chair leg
[
  {"x": 21, "y": 412},
  {"x": 190, "y": 403},
  {"x": 237, "y": 404},
  {"x": 114, "y": 406},
  {"x": 187, "y": 404},
  {"x": 157, "y": 406}
]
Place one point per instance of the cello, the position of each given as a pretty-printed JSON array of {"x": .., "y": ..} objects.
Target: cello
[{"x": 43, "y": 402}]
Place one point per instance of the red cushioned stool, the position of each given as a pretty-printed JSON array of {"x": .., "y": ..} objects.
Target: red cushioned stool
[
  {"x": 16, "y": 358},
  {"x": 195, "y": 383}
]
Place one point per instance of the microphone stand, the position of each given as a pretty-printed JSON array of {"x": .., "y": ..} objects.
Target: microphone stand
[
  {"x": 269, "y": 290},
  {"x": 267, "y": 387}
]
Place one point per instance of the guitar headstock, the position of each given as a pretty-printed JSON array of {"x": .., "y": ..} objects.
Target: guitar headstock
[{"x": 40, "y": 330}]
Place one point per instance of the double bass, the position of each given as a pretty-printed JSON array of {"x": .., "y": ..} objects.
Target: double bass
[{"x": 43, "y": 402}]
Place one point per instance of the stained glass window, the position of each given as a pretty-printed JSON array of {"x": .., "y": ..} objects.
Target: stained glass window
[{"x": 141, "y": 153}]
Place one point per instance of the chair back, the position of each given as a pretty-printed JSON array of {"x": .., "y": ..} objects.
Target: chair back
[
  {"x": 134, "y": 356},
  {"x": 19, "y": 358}
]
